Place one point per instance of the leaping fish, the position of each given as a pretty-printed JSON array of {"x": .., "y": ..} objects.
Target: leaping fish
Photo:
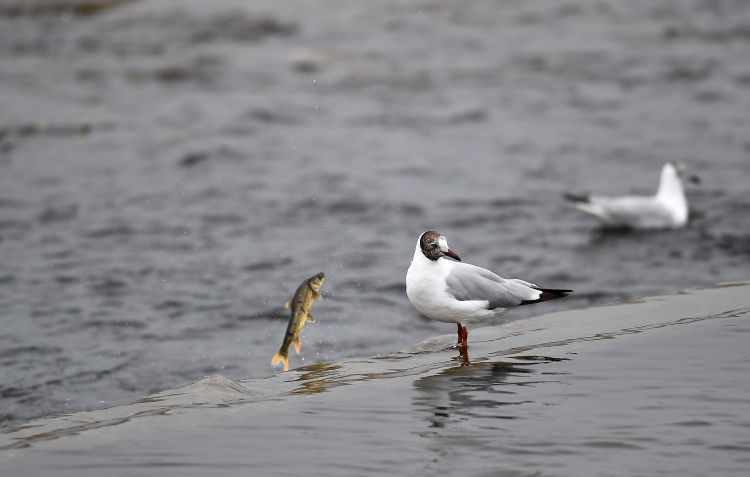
[{"x": 300, "y": 305}]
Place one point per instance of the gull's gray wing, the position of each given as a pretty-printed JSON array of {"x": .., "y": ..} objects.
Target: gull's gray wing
[{"x": 468, "y": 282}]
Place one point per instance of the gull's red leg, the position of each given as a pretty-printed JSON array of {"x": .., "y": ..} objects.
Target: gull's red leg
[
  {"x": 465, "y": 356},
  {"x": 464, "y": 347},
  {"x": 460, "y": 333}
]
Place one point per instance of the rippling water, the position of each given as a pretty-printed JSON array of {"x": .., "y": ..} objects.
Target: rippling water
[{"x": 170, "y": 171}]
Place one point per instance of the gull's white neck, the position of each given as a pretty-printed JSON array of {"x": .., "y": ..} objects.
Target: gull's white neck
[
  {"x": 670, "y": 185},
  {"x": 672, "y": 193}
]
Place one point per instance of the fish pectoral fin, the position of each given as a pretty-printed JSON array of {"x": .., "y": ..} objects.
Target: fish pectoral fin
[
  {"x": 288, "y": 304},
  {"x": 310, "y": 318},
  {"x": 318, "y": 296},
  {"x": 297, "y": 344}
]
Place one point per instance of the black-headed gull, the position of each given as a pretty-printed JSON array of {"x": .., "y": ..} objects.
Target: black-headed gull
[
  {"x": 456, "y": 292},
  {"x": 667, "y": 209}
]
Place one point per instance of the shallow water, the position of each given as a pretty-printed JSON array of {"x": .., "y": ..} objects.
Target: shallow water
[
  {"x": 171, "y": 170},
  {"x": 650, "y": 388}
]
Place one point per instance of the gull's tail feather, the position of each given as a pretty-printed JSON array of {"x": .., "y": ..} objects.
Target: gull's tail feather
[
  {"x": 589, "y": 204},
  {"x": 577, "y": 198},
  {"x": 548, "y": 294}
]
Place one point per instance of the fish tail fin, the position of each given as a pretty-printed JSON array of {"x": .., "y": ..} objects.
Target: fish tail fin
[
  {"x": 279, "y": 357},
  {"x": 297, "y": 344}
]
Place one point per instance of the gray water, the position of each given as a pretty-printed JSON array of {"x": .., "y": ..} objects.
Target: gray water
[
  {"x": 653, "y": 387},
  {"x": 171, "y": 170}
]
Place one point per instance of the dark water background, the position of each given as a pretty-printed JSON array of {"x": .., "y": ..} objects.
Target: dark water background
[{"x": 171, "y": 170}]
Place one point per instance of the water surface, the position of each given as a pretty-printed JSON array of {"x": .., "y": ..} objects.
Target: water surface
[{"x": 171, "y": 170}]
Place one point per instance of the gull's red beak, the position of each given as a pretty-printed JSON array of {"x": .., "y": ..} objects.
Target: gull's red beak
[{"x": 452, "y": 254}]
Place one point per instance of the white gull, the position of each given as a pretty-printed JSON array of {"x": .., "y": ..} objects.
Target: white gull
[{"x": 456, "y": 292}]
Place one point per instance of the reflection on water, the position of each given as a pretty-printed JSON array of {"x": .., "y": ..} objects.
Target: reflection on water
[
  {"x": 316, "y": 378},
  {"x": 485, "y": 388},
  {"x": 466, "y": 411}
]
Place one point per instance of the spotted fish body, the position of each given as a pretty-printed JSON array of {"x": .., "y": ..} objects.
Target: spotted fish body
[{"x": 300, "y": 305}]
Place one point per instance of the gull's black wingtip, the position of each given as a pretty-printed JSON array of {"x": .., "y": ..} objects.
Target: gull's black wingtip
[
  {"x": 555, "y": 293},
  {"x": 548, "y": 294}
]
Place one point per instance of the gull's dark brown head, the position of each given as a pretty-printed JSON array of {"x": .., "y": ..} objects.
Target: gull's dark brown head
[{"x": 434, "y": 245}]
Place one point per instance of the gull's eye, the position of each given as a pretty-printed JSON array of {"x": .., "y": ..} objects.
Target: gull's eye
[{"x": 433, "y": 245}]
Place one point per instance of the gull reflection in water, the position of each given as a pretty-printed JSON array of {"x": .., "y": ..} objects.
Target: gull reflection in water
[
  {"x": 480, "y": 389},
  {"x": 466, "y": 414}
]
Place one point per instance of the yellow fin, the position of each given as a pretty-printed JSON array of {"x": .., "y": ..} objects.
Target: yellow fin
[
  {"x": 310, "y": 318},
  {"x": 297, "y": 344},
  {"x": 278, "y": 357},
  {"x": 317, "y": 296},
  {"x": 288, "y": 304}
]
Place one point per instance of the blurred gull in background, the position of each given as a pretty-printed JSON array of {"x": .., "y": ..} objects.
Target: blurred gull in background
[{"x": 667, "y": 209}]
